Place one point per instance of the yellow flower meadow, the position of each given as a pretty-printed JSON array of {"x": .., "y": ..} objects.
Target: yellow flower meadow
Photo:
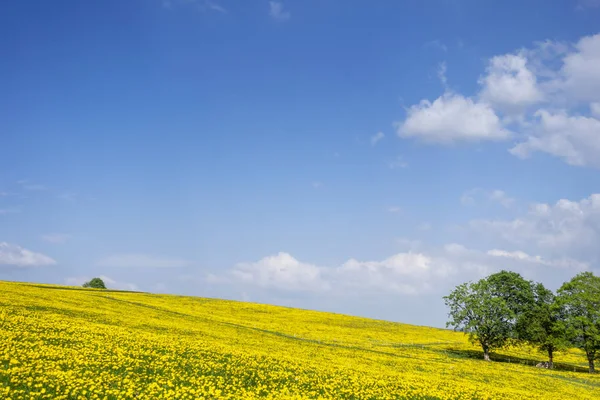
[{"x": 71, "y": 343}]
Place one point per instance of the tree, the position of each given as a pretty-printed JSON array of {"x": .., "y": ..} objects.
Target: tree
[
  {"x": 579, "y": 302},
  {"x": 476, "y": 309},
  {"x": 542, "y": 324},
  {"x": 517, "y": 292},
  {"x": 95, "y": 283}
]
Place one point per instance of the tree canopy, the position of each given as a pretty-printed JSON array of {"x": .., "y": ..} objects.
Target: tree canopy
[
  {"x": 95, "y": 283},
  {"x": 579, "y": 302},
  {"x": 504, "y": 308}
]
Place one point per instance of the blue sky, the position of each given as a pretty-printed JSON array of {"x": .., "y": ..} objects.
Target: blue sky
[{"x": 350, "y": 156}]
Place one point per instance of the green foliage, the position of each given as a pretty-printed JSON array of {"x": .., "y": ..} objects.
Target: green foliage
[
  {"x": 542, "y": 323},
  {"x": 476, "y": 309},
  {"x": 517, "y": 293},
  {"x": 578, "y": 301},
  {"x": 95, "y": 283}
]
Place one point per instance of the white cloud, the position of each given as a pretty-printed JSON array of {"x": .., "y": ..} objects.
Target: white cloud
[
  {"x": 547, "y": 96},
  {"x": 452, "y": 118},
  {"x": 595, "y": 109},
  {"x": 376, "y": 138},
  {"x": 399, "y": 162},
  {"x": 566, "y": 229},
  {"x": 277, "y": 12},
  {"x": 56, "y": 238},
  {"x": 141, "y": 261},
  {"x": 436, "y": 44},
  {"x": 215, "y": 7},
  {"x": 108, "y": 282},
  {"x": 425, "y": 226},
  {"x": 281, "y": 271},
  {"x": 509, "y": 84},
  {"x": 522, "y": 256},
  {"x": 473, "y": 196},
  {"x": 576, "y": 139},
  {"x": 394, "y": 209},
  {"x": 11, "y": 254},
  {"x": 25, "y": 184},
  {"x": 581, "y": 70},
  {"x": 502, "y": 198},
  {"x": 407, "y": 273},
  {"x": 441, "y": 73}
]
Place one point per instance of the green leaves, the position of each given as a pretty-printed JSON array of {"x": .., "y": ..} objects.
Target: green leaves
[
  {"x": 579, "y": 302},
  {"x": 95, "y": 283},
  {"x": 504, "y": 307},
  {"x": 479, "y": 310}
]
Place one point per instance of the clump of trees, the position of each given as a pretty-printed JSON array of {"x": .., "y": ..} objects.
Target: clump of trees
[
  {"x": 95, "y": 283},
  {"x": 505, "y": 309}
]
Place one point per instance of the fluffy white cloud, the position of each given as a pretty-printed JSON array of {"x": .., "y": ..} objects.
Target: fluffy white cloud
[
  {"x": 406, "y": 273},
  {"x": 11, "y": 254},
  {"x": 141, "y": 261},
  {"x": 452, "y": 118},
  {"x": 567, "y": 228},
  {"x": 277, "y": 11},
  {"x": 281, "y": 271},
  {"x": 581, "y": 70},
  {"x": 548, "y": 95},
  {"x": 576, "y": 139},
  {"x": 509, "y": 84}
]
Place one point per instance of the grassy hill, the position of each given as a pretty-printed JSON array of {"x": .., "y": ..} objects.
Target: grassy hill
[{"x": 70, "y": 343}]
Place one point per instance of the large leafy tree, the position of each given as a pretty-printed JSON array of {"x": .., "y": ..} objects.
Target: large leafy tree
[
  {"x": 95, "y": 283},
  {"x": 489, "y": 309},
  {"x": 542, "y": 323},
  {"x": 579, "y": 302},
  {"x": 477, "y": 311}
]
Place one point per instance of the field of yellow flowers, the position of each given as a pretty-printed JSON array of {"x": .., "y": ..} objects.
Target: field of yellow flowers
[{"x": 71, "y": 343}]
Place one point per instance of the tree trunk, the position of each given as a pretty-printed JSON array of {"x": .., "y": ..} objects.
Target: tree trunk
[
  {"x": 550, "y": 358},
  {"x": 591, "y": 362},
  {"x": 486, "y": 352}
]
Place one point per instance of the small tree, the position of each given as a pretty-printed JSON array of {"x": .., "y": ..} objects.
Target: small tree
[
  {"x": 476, "y": 309},
  {"x": 579, "y": 301},
  {"x": 95, "y": 283},
  {"x": 542, "y": 324}
]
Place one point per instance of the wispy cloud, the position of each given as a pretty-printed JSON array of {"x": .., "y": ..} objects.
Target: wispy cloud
[
  {"x": 27, "y": 185},
  {"x": 215, "y": 7},
  {"x": 377, "y": 138},
  {"x": 202, "y": 5},
  {"x": 11, "y": 254},
  {"x": 394, "y": 209},
  {"x": 141, "y": 261},
  {"x": 475, "y": 196},
  {"x": 399, "y": 162},
  {"x": 56, "y": 238},
  {"x": 436, "y": 44},
  {"x": 277, "y": 11},
  {"x": 317, "y": 185}
]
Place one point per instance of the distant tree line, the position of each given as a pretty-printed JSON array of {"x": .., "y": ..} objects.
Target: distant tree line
[{"x": 505, "y": 309}]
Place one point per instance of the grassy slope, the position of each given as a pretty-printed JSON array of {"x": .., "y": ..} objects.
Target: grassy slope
[{"x": 74, "y": 342}]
